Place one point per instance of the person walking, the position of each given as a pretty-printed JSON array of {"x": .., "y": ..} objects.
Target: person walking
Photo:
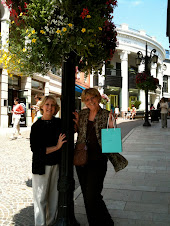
[
  {"x": 117, "y": 112},
  {"x": 36, "y": 107},
  {"x": 17, "y": 111},
  {"x": 133, "y": 112},
  {"x": 152, "y": 107},
  {"x": 46, "y": 141},
  {"x": 164, "y": 112},
  {"x": 88, "y": 124}
]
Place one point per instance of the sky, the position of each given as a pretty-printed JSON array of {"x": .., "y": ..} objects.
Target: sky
[{"x": 148, "y": 15}]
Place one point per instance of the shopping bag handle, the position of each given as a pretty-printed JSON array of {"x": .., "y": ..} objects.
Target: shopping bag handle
[{"x": 114, "y": 122}]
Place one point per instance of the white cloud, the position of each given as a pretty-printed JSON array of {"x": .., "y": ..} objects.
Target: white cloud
[
  {"x": 136, "y": 3},
  {"x": 132, "y": 3}
]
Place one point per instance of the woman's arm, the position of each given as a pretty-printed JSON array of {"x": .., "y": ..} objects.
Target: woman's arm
[
  {"x": 111, "y": 119},
  {"x": 60, "y": 143}
]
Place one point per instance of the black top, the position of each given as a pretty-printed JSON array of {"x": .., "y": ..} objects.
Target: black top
[
  {"x": 44, "y": 133},
  {"x": 94, "y": 149}
]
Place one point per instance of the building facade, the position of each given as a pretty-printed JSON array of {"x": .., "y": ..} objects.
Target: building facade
[{"x": 118, "y": 77}]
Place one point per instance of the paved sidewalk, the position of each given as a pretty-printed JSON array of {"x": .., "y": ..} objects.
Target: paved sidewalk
[{"x": 138, "y": 195}]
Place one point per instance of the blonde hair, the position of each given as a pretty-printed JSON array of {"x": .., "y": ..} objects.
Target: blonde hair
[
  {"x": 44, "y": 99},
  {"x": 92, "y": 92}
]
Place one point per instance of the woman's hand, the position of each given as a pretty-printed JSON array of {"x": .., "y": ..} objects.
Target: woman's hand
[
  {"x": 76, "y": 120},
  {"x": 61, "y": 140},
  {"x": 60, "y": 143}
]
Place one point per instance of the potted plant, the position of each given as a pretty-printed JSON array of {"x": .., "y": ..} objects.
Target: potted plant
[
  {"x": 105, "y": 99},
  {"x": 137, "y": 104}
]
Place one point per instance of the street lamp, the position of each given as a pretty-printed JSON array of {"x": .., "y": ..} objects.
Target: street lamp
[
  {"x": 147, "y": 60},
  {"x": 66, "y": 183}
]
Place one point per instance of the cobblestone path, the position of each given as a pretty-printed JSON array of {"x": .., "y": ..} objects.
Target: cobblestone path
[{"x": 16, "y": 202}]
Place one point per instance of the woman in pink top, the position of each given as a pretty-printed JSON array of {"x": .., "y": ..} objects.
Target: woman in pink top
[{"x": 17, "y": 111}]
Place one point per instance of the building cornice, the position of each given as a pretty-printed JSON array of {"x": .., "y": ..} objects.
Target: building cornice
[{"x": 132, "y": 40}]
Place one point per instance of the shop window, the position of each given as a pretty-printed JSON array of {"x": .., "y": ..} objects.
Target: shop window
[
  {"x": 56, "y": 71},
  {"x": 37, "y": 85},
  {"x": 14, "y": 82},
  {"x": 167, "y": 54}
]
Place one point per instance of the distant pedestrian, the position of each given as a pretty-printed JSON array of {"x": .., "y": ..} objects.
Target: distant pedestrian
[
  {"x": 36, "y": 107},
  {"x": 117, "y": 112},
  {"x": 46, "y": 141},
  {"x": 159, "y": 109},
  {"x": 17, "y": 111},
  {"x": 164, "y": 112},
  {"x": 128, "y": 115},
  {"x": 133, "y": 112},
  {"x": 158, "y": 106},
  {"x": 152, "y": 107}
]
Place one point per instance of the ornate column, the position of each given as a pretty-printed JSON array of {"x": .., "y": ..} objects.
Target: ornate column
[
  {"x": 124, "y": 91},
  {"x": 153, "y": 70},
  {"x": 47, "y": 88},
  {"x": 160, "y": 77},
  {"x": 141, "y": 68},
  {"x": 26, "y": 86}
]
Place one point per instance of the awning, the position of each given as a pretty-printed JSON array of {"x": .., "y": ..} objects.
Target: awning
[
  {"x": 79, "y": 88},
  {"x": 168, "y": 22}
]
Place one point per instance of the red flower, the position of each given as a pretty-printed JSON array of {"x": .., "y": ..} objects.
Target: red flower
[{"x": 84, "y": 13}]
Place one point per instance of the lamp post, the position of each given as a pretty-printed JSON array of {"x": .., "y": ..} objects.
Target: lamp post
[
  {"x": 66, "y": 183},
  {"x": 147, "y": 60}
]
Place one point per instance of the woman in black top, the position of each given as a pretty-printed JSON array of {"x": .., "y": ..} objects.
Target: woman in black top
[{"x": 46, "y": 141}]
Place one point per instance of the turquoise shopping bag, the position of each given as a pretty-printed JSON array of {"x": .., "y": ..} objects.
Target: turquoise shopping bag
[{"x": 111, "y": 140}]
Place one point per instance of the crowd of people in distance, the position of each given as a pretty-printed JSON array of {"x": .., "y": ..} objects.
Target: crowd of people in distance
[{"x": 131, "y": 113}]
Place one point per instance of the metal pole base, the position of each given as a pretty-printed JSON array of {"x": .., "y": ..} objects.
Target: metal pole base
[
  {"x": 146, "y": 124},
  {"x": 64, "y": 222}
]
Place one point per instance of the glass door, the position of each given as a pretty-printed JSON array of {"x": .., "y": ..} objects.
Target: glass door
[{"x": 113, "y": 102}]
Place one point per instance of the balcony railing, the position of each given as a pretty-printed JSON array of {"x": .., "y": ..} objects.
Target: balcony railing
[
  {"x": 113, "y": 78},
  {"x": 113, "y": 72}
]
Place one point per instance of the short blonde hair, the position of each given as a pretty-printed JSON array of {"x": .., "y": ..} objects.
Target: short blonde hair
[
  {"x": 44, "y": 99},
  {"x": 92, "y": 92}
]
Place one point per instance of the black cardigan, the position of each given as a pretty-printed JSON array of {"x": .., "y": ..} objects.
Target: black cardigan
[{"x": 44, "y": 134}]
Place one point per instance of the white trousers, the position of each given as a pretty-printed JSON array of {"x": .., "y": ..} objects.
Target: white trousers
[
  {"x": 164, "y": 119},
  {"x": 45, "y": 196},
  {"x": 16, "y": 126}
]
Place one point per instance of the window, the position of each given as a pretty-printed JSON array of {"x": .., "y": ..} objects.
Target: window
[
  {"x": 37, "y": 85},
  {"x": 165, "y": 83},
  {"x": 118, "y": 69},
  {"x": 56, "y": 71},
  {"x": 14, "y": 82},
  {"x": 167, "y": 54}
]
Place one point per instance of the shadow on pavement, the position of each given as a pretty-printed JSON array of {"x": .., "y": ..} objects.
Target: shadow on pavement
[
  {"x": 29, "y": 183},
  {"x": 25, "y": 217}
]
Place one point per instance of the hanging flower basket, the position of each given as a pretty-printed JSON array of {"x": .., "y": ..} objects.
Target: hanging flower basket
[
  {"x": 43, "y": 33},
  {"x": 146, "y": 81},
  {"x": 105, "y": 99}
]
